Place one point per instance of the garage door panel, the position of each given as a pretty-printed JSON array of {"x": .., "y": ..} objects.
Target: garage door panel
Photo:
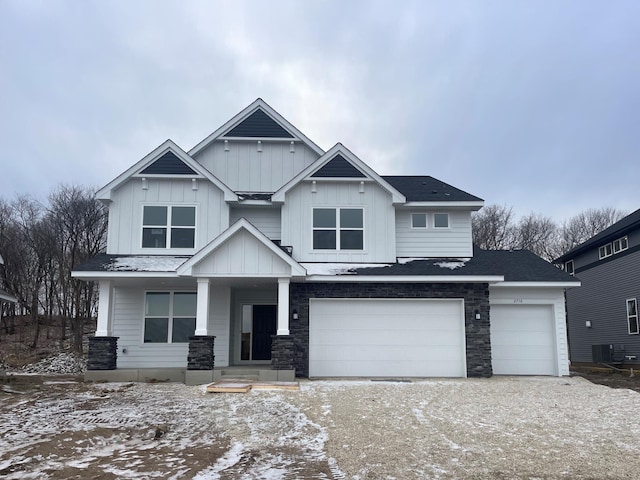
[
  {"x": 523, "y": 340},
  {"x": 376, "y": 337}
]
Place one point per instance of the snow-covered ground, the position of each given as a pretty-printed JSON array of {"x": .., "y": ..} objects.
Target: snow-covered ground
[{"x": 515, "y": 428}]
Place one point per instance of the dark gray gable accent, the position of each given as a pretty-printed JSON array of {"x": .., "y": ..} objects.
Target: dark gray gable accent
[
  {"x": 338, "y": 167},
  {"x": 258, "y": 125},
  {"x": 168, "y": 164}
]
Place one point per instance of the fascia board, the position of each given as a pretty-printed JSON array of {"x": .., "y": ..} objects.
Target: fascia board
[
  {"x": 577, "y": 283},
  {"x": 258, "y": 103},
  {"x": 475, "y": 206},
  {"x": 491, "y": 279},
  {"x": 89, "y": 276},
  {"x": 279, "y": 196}
]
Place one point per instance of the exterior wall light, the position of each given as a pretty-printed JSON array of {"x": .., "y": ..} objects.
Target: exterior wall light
[
  {"x": 295, "y": 315},
  {"x": 477, "y": 314}
]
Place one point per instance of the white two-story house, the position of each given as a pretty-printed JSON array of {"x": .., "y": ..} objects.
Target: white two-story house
[{"x": 257, "y": 248}]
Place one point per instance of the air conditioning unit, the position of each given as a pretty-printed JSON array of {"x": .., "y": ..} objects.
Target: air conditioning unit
[{"x": 607, "y": 353}]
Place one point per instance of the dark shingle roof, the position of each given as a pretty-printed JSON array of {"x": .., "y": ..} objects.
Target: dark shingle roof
[
  {"x": 618, "y": 229},
  {"x": 428, "y": 189},
  {"x": 516, "y": 266}
]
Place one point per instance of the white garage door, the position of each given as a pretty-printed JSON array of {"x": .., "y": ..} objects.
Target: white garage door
[
  {"x": 523, "y": 340},
  {"x": 379, "y": 337}
]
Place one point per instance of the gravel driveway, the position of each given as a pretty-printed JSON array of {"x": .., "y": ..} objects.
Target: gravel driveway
[{"x": 498, "y": 428}]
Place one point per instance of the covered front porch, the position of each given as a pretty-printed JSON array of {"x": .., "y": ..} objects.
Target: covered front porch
[{"x": 227, "y": 306}]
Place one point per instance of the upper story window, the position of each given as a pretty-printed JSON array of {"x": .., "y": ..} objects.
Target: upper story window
[
  {"x": 632, "y": 316},
  {"x": 169, "y": 317},
  {"x": 568, "y": 267},
  {"x": 617, "y": 246},
  {"x": 441, "y": 220},
  {"x": 338, "y": 229},
  {"x": 418, "y": 220},
  {"x": 168, "y": 227}
]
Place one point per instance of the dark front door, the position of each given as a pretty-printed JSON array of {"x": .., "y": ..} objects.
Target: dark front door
[{"x": 264, "y": 325}]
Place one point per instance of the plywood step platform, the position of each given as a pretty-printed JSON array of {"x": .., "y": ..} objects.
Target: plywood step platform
[{"x": 226, "y": 386}]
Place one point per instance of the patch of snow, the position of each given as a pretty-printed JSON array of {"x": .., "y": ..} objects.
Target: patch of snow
[
  {"x": 62, "y": 363},
  {"x": 151, "y": 263},
  {"x": 450, "y": 265},
  {"x": 338, "y": 268}
]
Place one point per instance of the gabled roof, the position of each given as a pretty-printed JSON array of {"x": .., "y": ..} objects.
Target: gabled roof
[
  {"x": 340, "y": 153},
  {"x": 619, "y": 229},
  {"x": 257, "y": 120},
  {"x": 242, "y": 224},
  {"x": 429, "y": 189},
  {"x": 166, "y": 157}
]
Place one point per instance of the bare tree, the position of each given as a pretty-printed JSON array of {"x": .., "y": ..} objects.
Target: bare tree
[
  {"x": 538, "y": 234},
  {"x": 493, "y": 228},
  {"x": 585, "y": 225}
]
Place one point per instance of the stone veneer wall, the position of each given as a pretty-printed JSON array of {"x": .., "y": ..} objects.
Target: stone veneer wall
[
  {"x": 475, "y": 295},
  {"x": 200, "y": 355},
  {"x": 282, "y": 352},
  {"x": 103, "y": 353}
]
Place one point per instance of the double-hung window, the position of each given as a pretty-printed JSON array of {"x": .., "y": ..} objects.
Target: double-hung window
[
  {"x": 169, "y": 317},
  {"x": 632, "y": 316},
  {"x": 168, "y": 226},
  {"x": 338, "y": 229}
]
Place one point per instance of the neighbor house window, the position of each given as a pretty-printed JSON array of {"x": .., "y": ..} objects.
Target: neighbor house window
[
  {"x": 620, "y": 245},
  {"x": 168, "y": 227},
  {"x": 632, "y": 316},
  {"x": 338, "y": 229},
  {"x": 441, "y": 220},
  {"x": 568, "y": 267},
  {"x": 169, "y": 317},
  {"x": 418, "y": 220},
  {"x": 605, "y": 251}
]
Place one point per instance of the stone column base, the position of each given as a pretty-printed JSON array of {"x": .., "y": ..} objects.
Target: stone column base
[
  {"x": 201, "y": 352},
  {"x": 103, "y": 353},
  {"x": 282, "y": 352}
]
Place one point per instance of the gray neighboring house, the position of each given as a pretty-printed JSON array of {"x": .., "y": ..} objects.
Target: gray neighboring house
[{"x": 603, "y": 313}]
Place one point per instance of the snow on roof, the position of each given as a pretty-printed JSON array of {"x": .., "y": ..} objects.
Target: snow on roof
[
  {"x": 149, "y": 263},
  {"x": 338, "y": 268}
]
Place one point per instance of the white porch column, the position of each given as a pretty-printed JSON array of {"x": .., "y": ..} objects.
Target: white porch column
[
  {"x": 104, "y": 326},
  {"x": 202, "y": 311},
  {"x": 283, "y": 306}
]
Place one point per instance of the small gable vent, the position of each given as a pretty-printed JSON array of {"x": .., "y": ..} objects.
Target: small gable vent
[
  {"x": 168, "y": 164},
  {"x": 338, "y": 166},
  {"x": 257, "y": 125}
]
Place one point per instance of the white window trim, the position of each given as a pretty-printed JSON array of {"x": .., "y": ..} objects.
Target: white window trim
[
  {"x": 448, "y": 227},
  {"x": 169, "y": 317},
  {"x": 426, "y": 221},
  {"x": 629, "y": 317},
  {"x": 566, "y": 269},
  {"x": 169, "y": 227},
  {"x": 619, "y": 242},
  {"x": 337, "y": 228},
  {"x": 602, "y": 251}
]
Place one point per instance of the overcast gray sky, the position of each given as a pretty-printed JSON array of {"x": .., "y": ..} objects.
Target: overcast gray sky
[{"x": 534, "y": 104}]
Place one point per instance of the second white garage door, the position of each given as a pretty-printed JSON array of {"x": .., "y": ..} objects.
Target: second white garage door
[
  {"x": 523, "y": 340},
  {"x": 379, "y": 337}
]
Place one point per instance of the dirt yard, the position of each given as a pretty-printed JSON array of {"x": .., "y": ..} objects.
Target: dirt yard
[{"x": 499, "y": 428}]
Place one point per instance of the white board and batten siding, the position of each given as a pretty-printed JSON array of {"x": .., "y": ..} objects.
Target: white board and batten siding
[
  {"x": 528, "y": 331},
  {"x": 452, "y": 242},
  {"x": 125, "y": 212},
  {"x": 244, "y": 169},
  {"x": 128, "y": 324},
  {"x": 265, "y": 219},
  {"x": 386, "y": 337},
  {"x": 379, "y": 215},
  {"x": 242, "y": 255}
]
